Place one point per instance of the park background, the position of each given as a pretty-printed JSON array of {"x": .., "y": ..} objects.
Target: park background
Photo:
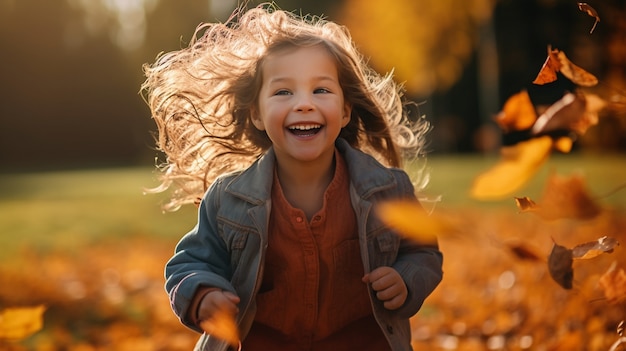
[{"x": 78, "y": 235}]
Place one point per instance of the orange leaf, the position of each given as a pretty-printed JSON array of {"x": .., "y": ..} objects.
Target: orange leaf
[
  {"x": 19, "y": 323},
  {"x": 583, "y": 6},
  {"x": 564, "y": 144},
  {"x": 547, "y": 74},
  {"x": 518, "y": 113},
  {"x": 517, "y": 165},
  {"x": 574, "y": 73},
  {"x": 411, "y": 220},
  {"x": 614, "y": 284},
  {"x": 594, "y": 248},
  {"x": 222, "y": 325}
]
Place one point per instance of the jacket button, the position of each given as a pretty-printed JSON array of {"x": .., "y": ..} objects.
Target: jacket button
[{"x": 390, "y": 329}]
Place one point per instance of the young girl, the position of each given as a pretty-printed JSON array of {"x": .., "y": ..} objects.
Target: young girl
[{"x": 297, "y": 141}]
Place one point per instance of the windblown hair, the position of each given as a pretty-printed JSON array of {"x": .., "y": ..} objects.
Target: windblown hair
[{"x": 202, "y": 97}]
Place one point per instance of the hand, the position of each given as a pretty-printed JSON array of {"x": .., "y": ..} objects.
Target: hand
[
  {"x": 389, "y": 286},
  {"x": 217, "y": 300}
]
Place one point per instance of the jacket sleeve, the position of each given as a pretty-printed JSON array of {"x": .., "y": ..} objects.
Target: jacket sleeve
[
  {"x": 419, "y": 264},
  {"x": 201, "y": 260}
]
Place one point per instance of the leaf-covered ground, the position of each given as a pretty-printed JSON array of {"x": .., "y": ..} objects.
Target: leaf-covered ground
[{"x": 105, "y": 292}]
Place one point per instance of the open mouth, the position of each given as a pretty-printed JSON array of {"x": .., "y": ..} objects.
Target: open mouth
[{"x": 305, "y": 129}]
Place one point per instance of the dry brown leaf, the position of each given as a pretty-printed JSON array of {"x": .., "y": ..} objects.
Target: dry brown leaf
[
  {"x": 613, "y": 282},
  {"x": 560, "y": 266},
  {"x": 518, "y": 113},
  {"x": 20, "y": 322},
  {"x": 557, "y": 61},
  {"x": 411, "y": 220},
  {"x": 573, "y": 112},
  {"x": 547, "y": 74},
  {"x": 595, "y": 248},
  {"x": 583, "y": 6},
  {"x": 574, "y": 73},
  {"x": 566, "y": 197},
  {"x": 222, "y": 325},
  {"x": 517, "y": 165}
]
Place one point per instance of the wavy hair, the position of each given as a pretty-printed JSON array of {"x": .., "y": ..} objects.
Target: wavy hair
[{"x": 202, "y": 97}]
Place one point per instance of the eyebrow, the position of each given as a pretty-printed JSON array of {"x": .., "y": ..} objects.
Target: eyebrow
[{"x": 287, "y": 79}]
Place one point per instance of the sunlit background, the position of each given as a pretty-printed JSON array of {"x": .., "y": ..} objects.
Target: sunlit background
[
  {"x": 71, "y": 70},
  {"x": 78, "y": 236}
]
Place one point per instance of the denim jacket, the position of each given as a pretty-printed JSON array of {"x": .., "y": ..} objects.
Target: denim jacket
[{"x": 226, "y": 248}]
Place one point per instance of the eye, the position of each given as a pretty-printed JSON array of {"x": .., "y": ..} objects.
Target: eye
[
  {"x": 321, "y": 91},
  {"x": 282, "y": 92}
]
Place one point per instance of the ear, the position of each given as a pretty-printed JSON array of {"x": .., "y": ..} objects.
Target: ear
[
  {"x": 255, "y": 118},
  {"x": 347, "y": 114}
]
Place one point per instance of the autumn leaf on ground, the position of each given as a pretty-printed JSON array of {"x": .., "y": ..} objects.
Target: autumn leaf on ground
[
  {"x": 222, "y": 325},
  {"x": 411, "y": 220},
  {"x": 583, "y": 6},
  {"x": 613, "y": 282},
  {"x": 563, "y": 197},
  {"x": 560, "y": 265},
  {"x": 518, "y": 113},
  {"x": 594, "y": 248},
  {"x": 523, "y": 252},
  {"x": 20, "y": 322},
  {"x": 518, "y": 163}
]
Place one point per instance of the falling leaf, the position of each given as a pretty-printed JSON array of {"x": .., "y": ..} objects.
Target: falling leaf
[
  {"x": 222, "y": 325},
  {"x": 560, "y": 266},
  {"x": 547, "y": 74},
  {"x": 20, "y": 322},
  {"x": 566, "y": 197},
  {"x": 594, "y": 248},
  {"x": 411, "y": 220},
  {"x": 518, "y": 113},
  {"x": 583, "y": 6},
  {"x": 557, "y": 61},
  {"x": 613, "y": 282},
  {"x": 560, "y": 115},
  {"x": 518, "y": 163},
  {"x": 525, "y": 204},
  {"x": 574, "y": 73},
  {"x": 564, "y": 144}
]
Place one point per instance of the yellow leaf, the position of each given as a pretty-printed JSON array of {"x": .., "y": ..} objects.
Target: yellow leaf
[
  {"x": 20, "y": 322},
  {"x": 411, "y": 220},
  {"x": 518, "y": 113},
  {"x": 222, "y": 326},
  {"x": 517, "y": 165}
]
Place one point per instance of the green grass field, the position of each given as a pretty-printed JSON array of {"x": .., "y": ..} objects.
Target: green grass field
[{"x": 65, "y": 210}]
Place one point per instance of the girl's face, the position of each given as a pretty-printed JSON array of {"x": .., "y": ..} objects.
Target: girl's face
[{"x": 301, "y": 105}]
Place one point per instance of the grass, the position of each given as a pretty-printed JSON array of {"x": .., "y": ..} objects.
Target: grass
[{"x": 67, "y": 210}]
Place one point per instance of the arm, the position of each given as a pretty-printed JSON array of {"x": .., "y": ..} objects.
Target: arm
[
  {"x": 201, "y": 260},
  {"x": 418, "y": 264}
]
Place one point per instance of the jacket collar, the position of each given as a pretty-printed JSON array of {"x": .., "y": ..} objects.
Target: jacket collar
[{"x": 367, "y": 175}]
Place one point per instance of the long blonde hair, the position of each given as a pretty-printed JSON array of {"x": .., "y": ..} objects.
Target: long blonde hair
[{"x": 201, "y": 98}]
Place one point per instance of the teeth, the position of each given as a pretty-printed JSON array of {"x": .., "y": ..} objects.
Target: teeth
[{"x": 305, "y": 127}]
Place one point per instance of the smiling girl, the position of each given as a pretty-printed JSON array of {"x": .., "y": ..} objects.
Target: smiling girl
[{"x": 288, "y": 141}]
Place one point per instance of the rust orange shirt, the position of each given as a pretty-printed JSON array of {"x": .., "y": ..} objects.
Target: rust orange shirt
[{"x": 312, "y": 296}]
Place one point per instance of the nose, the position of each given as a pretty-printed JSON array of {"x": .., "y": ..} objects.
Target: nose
[{"x": 304, "y": 103}]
